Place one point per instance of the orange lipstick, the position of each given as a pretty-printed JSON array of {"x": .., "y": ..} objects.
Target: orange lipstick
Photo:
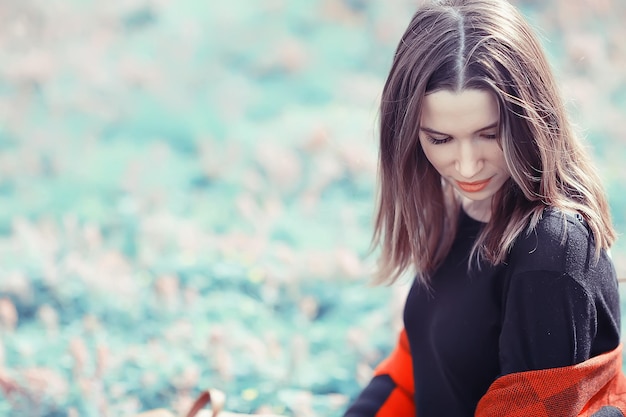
[{"x": 473, "y": 187}]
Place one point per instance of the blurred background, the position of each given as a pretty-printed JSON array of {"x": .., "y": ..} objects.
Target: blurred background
[{"x": 187, "y": 190}]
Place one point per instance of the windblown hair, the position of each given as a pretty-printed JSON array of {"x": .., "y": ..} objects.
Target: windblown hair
[{"x": 486, "y": 45}]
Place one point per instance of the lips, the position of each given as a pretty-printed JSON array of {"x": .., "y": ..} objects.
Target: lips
[{"x": 473, "y": 187}]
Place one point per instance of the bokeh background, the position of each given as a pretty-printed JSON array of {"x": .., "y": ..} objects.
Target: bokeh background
[{"x": 187, "y": 189}]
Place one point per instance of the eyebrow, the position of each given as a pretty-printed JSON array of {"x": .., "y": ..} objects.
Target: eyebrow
[{"x": 435, "y": 132}]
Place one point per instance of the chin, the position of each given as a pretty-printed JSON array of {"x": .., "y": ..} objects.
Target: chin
[{"x": 478, "y": 199}]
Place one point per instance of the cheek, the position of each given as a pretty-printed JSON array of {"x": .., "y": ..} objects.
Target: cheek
[
  {"x": 495, "y": 156},
  {"x": 501, "y": 161},
  {"x": 437, "y": 158}
]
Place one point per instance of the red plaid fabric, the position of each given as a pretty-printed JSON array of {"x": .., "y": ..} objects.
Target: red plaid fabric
[
  {"x": 572, "y": 391},
  {"x": 399, "y": 366},
  {"x": 579, "y": 390}
]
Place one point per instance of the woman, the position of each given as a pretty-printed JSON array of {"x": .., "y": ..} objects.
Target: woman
[{"x": 488, "y": 196}]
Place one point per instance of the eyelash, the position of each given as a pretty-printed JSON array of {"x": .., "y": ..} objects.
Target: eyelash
[
  {"x": 435, "y": 141},
  {"x": 438, "y": 141}
]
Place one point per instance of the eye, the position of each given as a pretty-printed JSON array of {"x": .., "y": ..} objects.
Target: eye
[
  {"x": 438, "y": 141},
  {"x": 490, "y": 136}
]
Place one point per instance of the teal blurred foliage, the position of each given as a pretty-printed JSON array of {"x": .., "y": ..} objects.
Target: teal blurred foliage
[{"x": 187, "y": 189}]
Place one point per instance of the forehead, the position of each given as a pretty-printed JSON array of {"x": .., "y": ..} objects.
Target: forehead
[{"x": 459, "y": 112}]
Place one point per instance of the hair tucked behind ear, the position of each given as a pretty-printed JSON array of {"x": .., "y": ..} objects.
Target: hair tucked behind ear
[{"x": 487, "y": 45}]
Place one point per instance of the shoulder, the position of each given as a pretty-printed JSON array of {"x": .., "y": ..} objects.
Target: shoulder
[{"x": 559, "y": 242}]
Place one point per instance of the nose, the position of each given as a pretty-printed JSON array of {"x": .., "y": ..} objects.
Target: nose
[{"x": 469, "y": 161}]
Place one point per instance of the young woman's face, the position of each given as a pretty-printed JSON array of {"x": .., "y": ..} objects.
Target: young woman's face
[{"x": 459, "y": 135}]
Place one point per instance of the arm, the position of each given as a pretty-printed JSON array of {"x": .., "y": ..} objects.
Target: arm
[
  {"x": 390, "y": 392},
  {"x": 560, "y": 326},
  {"x": 560, "y": 305},
  {"x": 550, "y": 360},
  {"x": 549, "y": 321}
]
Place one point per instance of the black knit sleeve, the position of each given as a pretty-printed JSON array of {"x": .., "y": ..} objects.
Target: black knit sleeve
[
  {"x": 560, "y": 303},
  {"x": 372, "y": 398},
  {"x": 549, "y": 321}
]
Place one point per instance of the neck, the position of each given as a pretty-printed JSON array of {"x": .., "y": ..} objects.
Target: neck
[{"x": 477, "y": 210}]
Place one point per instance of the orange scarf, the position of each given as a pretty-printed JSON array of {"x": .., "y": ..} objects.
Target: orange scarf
[{"x": 572, "y": 391}]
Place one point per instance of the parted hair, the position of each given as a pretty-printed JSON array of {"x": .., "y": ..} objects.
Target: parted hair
[{"x": 487, "y": 45}]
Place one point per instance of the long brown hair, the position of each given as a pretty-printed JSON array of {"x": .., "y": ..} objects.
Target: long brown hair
[{"x": 487, "y": 45}]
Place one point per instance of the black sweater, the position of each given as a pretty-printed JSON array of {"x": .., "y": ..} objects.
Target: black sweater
[{"x": 549, "y": 305}]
